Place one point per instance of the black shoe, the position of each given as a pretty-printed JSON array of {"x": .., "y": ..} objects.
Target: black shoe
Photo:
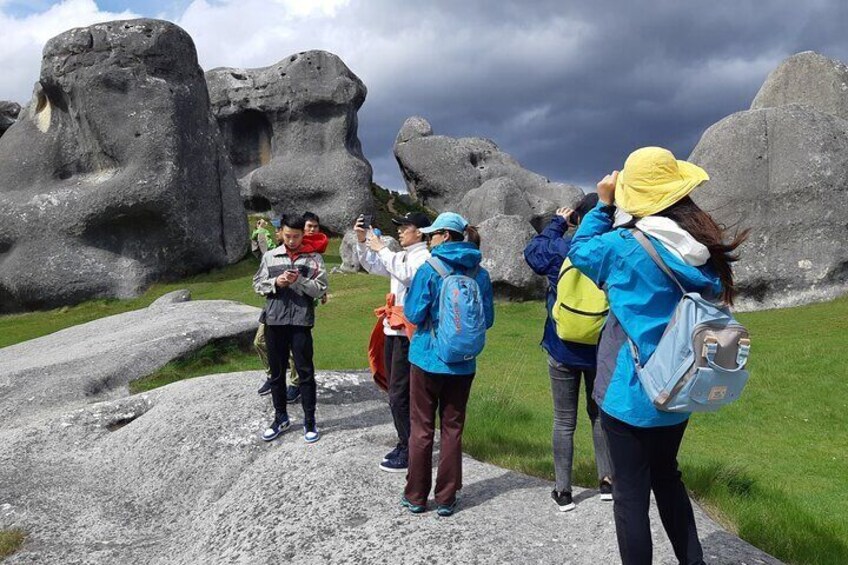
[
  {"x": 393, "y": 453},
  {"x": 292, "y": 394},
  {"x": 606, "y": 490},
  {"x": 397, "y": 465},
  {"x": 265, "y": 389},
  {"x": 563, "y": 500}
]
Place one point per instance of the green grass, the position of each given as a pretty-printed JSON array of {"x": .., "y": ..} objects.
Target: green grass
[
  {"x": 773, "y": 467},
  {"x": 10, "y": 542}
]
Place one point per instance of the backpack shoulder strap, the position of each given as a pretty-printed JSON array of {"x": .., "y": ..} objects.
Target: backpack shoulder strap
[
  {"x": 439, "y": 266},
  {"x": 652, "y": 251}
]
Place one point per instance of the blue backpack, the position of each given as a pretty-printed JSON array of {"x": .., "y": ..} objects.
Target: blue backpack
[
  {"x": 699, "y": 363},
  {"x": 461, "y": 331}
]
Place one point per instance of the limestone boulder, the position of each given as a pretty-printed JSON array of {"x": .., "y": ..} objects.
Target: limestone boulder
[
  {"x": 810, "y": 79},
  {"x": 503, "y": 239},
  {"x": 114, "y": 175},
  {"x": 291, "y": 133},
  {"x": 347, "y": 250},
  {"x": 783, "y": 173},
  {"x": 9, "y": 112},
  {"x": 440, "y": 171}
]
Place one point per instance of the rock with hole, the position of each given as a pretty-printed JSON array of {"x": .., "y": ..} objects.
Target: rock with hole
[
  {"x": 291, "y": 132},
  {"x": 115, "y": 175}
]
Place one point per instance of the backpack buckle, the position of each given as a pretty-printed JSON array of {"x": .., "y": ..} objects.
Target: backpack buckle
[
  {"x": 710, "y": 348},
  {"x": 743, "y": 351}
]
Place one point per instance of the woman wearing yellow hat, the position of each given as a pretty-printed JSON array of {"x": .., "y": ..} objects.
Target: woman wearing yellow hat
[{"x": 652, "y": 191}]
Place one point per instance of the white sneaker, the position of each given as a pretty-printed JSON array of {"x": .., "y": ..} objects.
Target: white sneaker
[{"x": 311, "y": 435}]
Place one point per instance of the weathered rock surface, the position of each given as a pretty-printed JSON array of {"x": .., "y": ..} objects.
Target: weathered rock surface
[
  {"x": 96, "y": 361},
  {"x": 115, "y": 174},
  {"x": 347, "y": 250},
  {"x": 503, "y": 239},
  {"x": 783, "y": 172},
  {"x": 9, "y": 112},
  {"x": 291, "y": 131},
  {"x": 179, "y": 476},
  {"x": 495, "y": 196},
  {"x": 440, "y": 171},
  {"x": 809, "y": 79}
]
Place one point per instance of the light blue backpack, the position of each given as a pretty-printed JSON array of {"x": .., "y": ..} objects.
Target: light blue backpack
[
  {"x": 699, "y": 363},
  {"x": 461, "y": 332}
]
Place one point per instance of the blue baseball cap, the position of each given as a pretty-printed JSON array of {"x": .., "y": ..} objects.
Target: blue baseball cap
[
  {"x": 447, "y": 221},
  {"x": 276, "y": 222}
]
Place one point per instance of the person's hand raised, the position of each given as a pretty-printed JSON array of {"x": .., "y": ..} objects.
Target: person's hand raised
[{"x": 606, "y": 188}]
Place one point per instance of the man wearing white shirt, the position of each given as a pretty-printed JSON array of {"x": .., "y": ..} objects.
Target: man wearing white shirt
[{"x": 400, "y": 267}]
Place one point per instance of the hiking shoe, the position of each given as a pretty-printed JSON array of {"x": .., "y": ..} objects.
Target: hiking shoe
[
  {"x": 446, "y": 510},
  {"x": 275, "y": 429},
  {"x": 563, "y": 500},
  {"x": 393, "y": 453},
  {"x": 414, "y": 508},
  {"x": 397, "y": 465},
  {"x": 311, "y": 434},
  {"x": 265, "y": 388},
  {"x": 292, "y": 394},
  {"x": 606, "y": 490}
]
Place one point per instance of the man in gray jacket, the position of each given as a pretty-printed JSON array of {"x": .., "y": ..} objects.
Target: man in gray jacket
[{"x": 291, "y": 277}]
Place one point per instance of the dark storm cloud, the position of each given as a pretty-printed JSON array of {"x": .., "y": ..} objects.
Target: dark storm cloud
[{"x": 570, "y": 90}]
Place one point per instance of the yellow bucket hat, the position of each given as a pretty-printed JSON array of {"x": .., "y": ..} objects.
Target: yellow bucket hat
[{"x": 652, "y": 180}]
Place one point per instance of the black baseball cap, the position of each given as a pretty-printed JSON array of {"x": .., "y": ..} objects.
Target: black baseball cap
[{"x": 416, "y": 219}]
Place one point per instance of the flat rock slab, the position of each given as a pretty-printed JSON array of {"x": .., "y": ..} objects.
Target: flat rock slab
[
  {"x": 179, "y": 475},
  {"x": 95, "y": 361}
]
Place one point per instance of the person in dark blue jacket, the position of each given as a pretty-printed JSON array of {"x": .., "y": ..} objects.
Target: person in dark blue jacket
[
  {"x": 652, "y": 190},
  {"x": 568, "y": 363},
  {"x": 436, "y": 386}
]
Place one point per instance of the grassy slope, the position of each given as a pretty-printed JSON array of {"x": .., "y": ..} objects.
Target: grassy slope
[{"x": 774, "y": 466}]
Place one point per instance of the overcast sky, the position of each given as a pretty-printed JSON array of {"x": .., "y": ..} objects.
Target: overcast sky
[{"x": 568, "y": 88}]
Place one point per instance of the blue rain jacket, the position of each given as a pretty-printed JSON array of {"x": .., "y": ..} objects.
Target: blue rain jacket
[
  {"x": 422, "y": 305},
  {"x": 545, "y": 254},
  {"x": 643, "y": 299}
]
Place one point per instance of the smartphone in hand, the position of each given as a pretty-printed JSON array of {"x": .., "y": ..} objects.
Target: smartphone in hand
[{"x": 367, "y": 219}]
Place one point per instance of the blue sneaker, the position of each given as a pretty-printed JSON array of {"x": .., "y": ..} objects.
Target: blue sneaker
[
  {"x": 292, "y": 394},
  {"x": 414, "y": 508},
  {"x": 265, "y": 389},
  {"x": 311, "y": 434},
  {"x": 276, "y": 429},
  {"x": 393, "y": 453},
  {"x": 397, "y": 465},
  {"x": 446, "y": 510}
]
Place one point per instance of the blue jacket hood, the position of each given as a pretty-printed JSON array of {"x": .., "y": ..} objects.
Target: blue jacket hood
[{"x": 458, "y": 254}]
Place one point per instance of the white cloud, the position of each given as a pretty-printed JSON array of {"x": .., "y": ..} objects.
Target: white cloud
[{"x": 24, "y": 39}]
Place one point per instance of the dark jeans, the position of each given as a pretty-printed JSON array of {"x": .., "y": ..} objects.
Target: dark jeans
[
  {"x": 296, "y": 340},
  {"x": 428, "y": 393},
  {"x": 565, "y": 389},
  {"x": 396, "y": 355},
  {"x": 645, "y": 459}
]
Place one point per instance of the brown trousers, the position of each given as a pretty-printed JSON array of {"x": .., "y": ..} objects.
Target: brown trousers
[{"x": 429, "y": 392}]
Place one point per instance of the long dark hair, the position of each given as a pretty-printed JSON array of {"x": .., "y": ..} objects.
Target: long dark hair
[{"x": 707, "y": 231}]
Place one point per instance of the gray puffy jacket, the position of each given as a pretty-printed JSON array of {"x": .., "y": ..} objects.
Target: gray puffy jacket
[{"x": 293, "y": 305}]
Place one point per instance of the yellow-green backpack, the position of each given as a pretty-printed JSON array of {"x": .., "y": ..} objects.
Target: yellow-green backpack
[{"x": 580, "y": 308}]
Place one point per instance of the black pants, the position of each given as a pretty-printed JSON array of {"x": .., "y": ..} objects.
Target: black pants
[
  {"x": 396, "y": 357},
  {"x": 645, "y": 459},
  {"x": 298, "y": 340}
]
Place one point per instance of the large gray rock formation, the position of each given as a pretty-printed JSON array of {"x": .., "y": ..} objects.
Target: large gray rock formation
[
  {"x": 179, "y": 475},
  {"x": 96, "y": 361},
  {"x": 440, "y": 171},
  {"x": 782, "y": 172},
  {"x": 115, "y": 175},
  {"x": 291, "y": 130},
  {"x": 503, "y": 239},
  {"x": 810, "y": 79},
  {"x": 9, "y": 112}
]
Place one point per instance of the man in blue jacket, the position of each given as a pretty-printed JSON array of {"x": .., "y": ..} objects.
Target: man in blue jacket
[{"x": 568, "y": 363}]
